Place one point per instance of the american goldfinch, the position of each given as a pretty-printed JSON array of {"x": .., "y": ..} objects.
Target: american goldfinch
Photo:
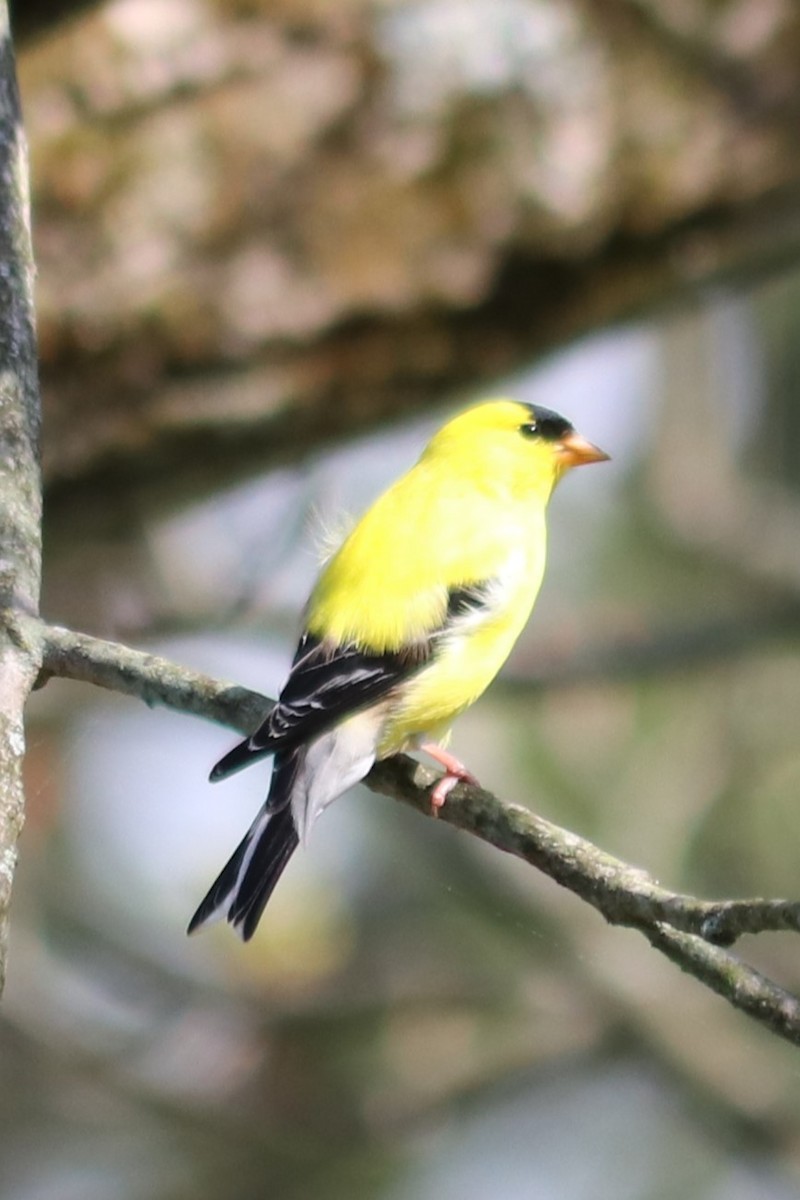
[{"x": 408, "y": 623}]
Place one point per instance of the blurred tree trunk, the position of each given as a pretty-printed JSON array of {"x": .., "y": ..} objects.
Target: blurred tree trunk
[
  {"x": 20, "y": 487},
  {"x": 263, "y": 226}
]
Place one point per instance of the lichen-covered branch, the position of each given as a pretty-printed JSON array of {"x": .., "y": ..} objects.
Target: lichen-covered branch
[
  {"x": 689, "y": 931},
  {"x": 743, "y": 986},
  {"x": 20, "y": 488},
  {"x": 151, "y": 678}
]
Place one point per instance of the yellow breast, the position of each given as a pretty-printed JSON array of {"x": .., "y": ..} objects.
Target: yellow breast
[{"x": 467, "y": 659}]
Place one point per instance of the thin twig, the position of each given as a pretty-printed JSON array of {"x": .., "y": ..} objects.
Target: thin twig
[
  {"x": 689, "y": 931},
  {"x": 624, "y": 894},
  {"x": 153, "y": 679},
  {"x": 739, "y": 984}
]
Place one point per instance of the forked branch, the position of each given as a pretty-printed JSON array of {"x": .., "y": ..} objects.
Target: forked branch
[{"x": 689, "y": 931}]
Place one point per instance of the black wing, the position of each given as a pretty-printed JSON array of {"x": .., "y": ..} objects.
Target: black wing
[{"x": 324, "y": 685}]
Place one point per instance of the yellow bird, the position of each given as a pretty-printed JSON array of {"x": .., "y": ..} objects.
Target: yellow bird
[{"x": 408, "y": 623}]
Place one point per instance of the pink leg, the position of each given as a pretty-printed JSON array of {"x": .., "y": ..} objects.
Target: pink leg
[{"x": 455, "y": 772}]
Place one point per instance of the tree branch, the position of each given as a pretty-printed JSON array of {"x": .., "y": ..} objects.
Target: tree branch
[
  {"x": 155, "y": 680},
  {"x": 689, "y": 931},
  {"x": 20, "y": 485}
]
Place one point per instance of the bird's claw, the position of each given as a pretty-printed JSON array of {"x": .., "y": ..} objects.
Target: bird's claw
[
  {"x": 445, "y": 785},
  {"x": 454, "y": 772}
]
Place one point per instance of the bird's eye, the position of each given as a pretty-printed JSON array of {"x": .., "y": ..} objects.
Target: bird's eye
[{"x": 529, "y": 429}]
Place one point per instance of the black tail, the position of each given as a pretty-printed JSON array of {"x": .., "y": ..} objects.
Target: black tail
[
  {"x": 271, "y": 854},
  {"x": 244, "y": 885}
]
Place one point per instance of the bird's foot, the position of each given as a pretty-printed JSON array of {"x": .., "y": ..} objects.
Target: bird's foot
[{"x": 455, "y": 772}]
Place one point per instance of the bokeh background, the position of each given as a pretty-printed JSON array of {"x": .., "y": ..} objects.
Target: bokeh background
[{"x": 277, "y": 244}]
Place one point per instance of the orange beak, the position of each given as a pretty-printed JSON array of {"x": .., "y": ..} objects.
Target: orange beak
[{"x": 575, "y": 451}]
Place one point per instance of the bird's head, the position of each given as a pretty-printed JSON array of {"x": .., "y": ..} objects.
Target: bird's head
[{"x": 508, "y": 444}]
